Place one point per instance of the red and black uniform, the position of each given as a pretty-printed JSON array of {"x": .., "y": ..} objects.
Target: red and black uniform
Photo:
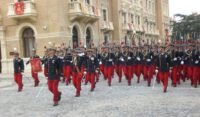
[
  {"x": 109, "y": 67},
  {"x": 67, "y": 68},
  {"x": 180, "y": 66},
  {"x": 174, "y": 64},
  {"x": 163, "y": 65},
  {"x": 148, "y": 67},
  {"x": 77, "y": 74},
  {"x": 185, "y": 62},
  {"x": 54, "y": 77},
  {"x": 138, "y": 62},
  {"x": 91, "y": 67},
  {"x": 18, "y": 69},
  {"x": 127, "y": 66},
  {"x": 34, "y": 74},
  {"x": 195, "y": 73},
  {"x": 119, "y": 64}
]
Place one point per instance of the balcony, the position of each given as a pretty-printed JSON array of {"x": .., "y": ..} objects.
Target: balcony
[
  {"x": 28, "y": 10},
  {"x": 127, "y": 27},
  {"x": 107, "y": 26},
  {"x": 79, "y": 11}
]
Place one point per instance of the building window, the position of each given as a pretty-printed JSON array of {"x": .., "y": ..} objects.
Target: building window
[
  {"x": 132, "y": 18},
  {"x": 104, "y": 15},
  {"x": 87, "y": 1},
  {"x": 28, "y": 41},
  {"x": 124, "y": 18}
]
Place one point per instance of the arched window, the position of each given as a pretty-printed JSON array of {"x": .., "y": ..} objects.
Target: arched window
[
  {"x": 88, "y": 38},
  {"x": 28, "y": 41},
  {"x": 75, "y": 37}
]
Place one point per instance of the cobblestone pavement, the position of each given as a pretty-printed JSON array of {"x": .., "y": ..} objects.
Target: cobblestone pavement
[{"x": 119, "y": 100}]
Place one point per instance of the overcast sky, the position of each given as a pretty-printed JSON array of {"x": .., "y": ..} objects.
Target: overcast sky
[{"x": 184, "y": 6}]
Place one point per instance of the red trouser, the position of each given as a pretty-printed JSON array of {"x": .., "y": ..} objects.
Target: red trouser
[
  {"x": 128, "y": 73},
  {"x": 76, "y": 78},
  {"x": 101, "y": 67},
  {"x": 45, "y": 72},
  {"x": 119, "y": 71},
  {"x": 53, "y": 87},
  {"x": 91, "y": 78},
  {"x": 190, "y": 72},
  {"x": 134, "y": 69},
  {"x": 97, "y": 77},
  {"x": 148, "y": 73},
  {"x": 108, "y": 73},
  {"x": 18, "y": 80},
  {"x": 67, "y": 73},
  {"x": 138, "y": 72},
  {"x": 195, "y": 75},
  {"x": 35, "y": 77},
  {"x": 174, "y": 75},
  {"x": 164, "y": 78},
  {"x": 179, "y": 71},
  {"x": 185, "y": 71}
]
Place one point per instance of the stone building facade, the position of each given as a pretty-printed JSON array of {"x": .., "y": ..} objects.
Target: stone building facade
[{"x": 27, "y": 24}]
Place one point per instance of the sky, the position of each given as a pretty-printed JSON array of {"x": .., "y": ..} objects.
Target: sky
[{"x": 184, "y": 6}]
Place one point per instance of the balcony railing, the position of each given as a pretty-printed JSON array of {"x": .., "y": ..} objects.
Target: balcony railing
[
  {"x": 107, "y": 26},
  {"x": 28, "y": 10},
  {"x": 83, "y": 12}
]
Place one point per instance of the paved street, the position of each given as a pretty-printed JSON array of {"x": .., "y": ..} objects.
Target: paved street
[{"x": 119, "y": 100}]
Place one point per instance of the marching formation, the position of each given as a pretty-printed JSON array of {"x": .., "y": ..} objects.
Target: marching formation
[{"x": 178, "y": 62}]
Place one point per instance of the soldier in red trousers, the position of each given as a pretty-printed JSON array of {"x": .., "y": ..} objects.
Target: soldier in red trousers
[
  {"x": 53, "y": 75},
  {"x": 18, "y": 69},
  {"x": 77, "y": 73},
  {"x": 67, "y": 66},
  {"x": 148, "y": 65},
  {"x": 34, "y": 74},
  {"x": 163, "y": 65},
  {"x": 91, "y": 68}
]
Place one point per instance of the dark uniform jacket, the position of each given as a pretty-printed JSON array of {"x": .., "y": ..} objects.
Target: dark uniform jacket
[
  {"x": 163, "y": 62},
  {"x": 128, "y": 59},
  {"x": 67, "y": 60},
  {"x": 109, "y": 60},
  {"x": 138, "y": 58},
  {"x": 18, "y": 65},
  {"x": 149, "y": 58},
  {"x": 53, "y": 68},
  {"x": 91, "y": 64}
]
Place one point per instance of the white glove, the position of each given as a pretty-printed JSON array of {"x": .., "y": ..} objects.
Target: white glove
[
  {"x": 175, "y": 59},
  {"x": 92, "y": 58},
  {"x": 129, "y": 58},
  {"x": 196, "y": 62},
  {"x": 182, "y": 62},
  {"x": 97, "y": 71},
  {"x": 110, "y": 60},
  {"x": 138, "y": 58},
  {"x": 156, "y": 71},
  {"x": 148, "y": 60},
  {"x": 84, "y": 73},
  {"x": 100, "y": 62}
]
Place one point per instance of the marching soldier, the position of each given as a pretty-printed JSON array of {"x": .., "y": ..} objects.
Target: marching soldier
[
  {"x": 118, "y": 63},
  {"x": 174, "y": 65},
  {"x": 148, "y": 68},
  {"x": 77, "y": 73},
  {"x": 128, "y": 62},
  {"x": 91, "y": 68},
  {"x": 53, "y": 75},
  {"x": 195, "y": 73},
  {"x": 138, "y": 62},
  {"x": 34, "y": 74},
  {"x": 67, "y": 66},
  {"x": 18, "y": 70},
  {"x": 108, "y": 64},
  {"x": 163, "y": 67}
]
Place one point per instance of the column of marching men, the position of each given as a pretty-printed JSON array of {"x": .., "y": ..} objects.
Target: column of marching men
[{"x": 85, "y": 65}]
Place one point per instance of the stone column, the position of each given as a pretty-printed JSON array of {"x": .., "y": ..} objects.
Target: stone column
[{"x": 3, "y": 50}]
